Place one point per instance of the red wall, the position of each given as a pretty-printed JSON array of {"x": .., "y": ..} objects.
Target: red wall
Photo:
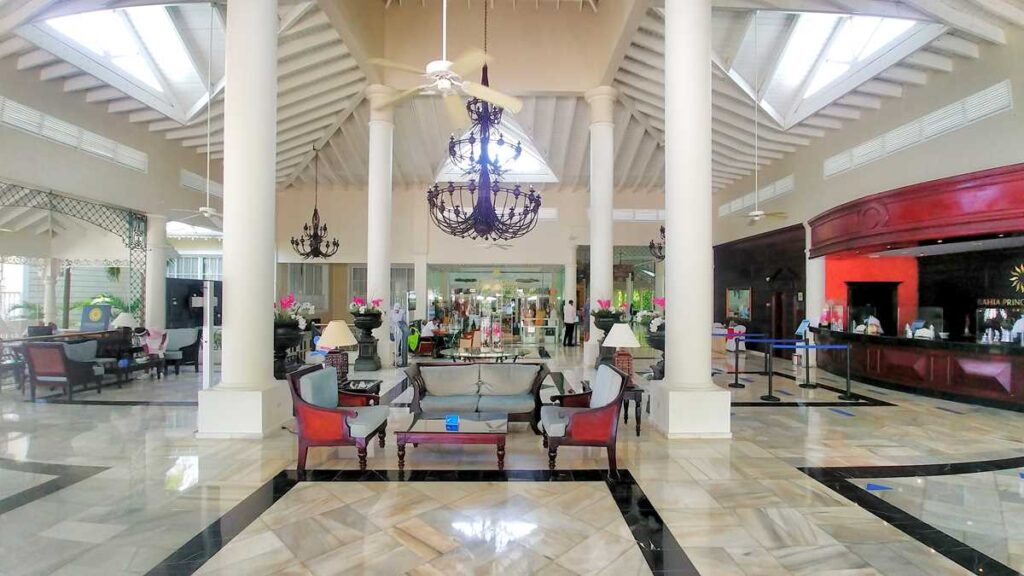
[{"x": 842, "y": 269}]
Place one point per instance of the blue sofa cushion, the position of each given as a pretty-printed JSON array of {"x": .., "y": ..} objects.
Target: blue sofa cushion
[
  {"x": 510, "y": 404},
  {"x": 462, "y": 403},
  {"x": 320, "y": 388}
]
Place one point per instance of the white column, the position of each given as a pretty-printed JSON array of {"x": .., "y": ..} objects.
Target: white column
[
  {"x": 814, "y": 295},
  {"x": 420, "y": 282},
  {"x": 659, "y": 279},
  {"x": 569, "y": 283},
  {"x": 248, "y": 402},
  {"x": 156, "y": 272},
  {"x": 378, "y": 219},
  {"x": 602, "y": 188},
  {"x": 688, "y": 404},
  {"x": 50, "y": 275}
]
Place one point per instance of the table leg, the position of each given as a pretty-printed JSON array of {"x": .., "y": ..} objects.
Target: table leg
[
  {"x": 401, "y": 454},
  {"x": 625, "y": 411},
  {"x": 501, "y": 455},
  {"x": 638, "y": 402}
]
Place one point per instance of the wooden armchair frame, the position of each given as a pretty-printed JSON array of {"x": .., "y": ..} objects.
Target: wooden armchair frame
[{"x": 597, "y": 427}]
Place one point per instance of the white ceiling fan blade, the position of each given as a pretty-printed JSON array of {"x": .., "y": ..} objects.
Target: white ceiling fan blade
[
  {"x": 510, "y": 103},
  {"x": 385, "y": 63},
  {"x": 399, "y": 97},
  {"x": 456, "y": 111},
  {"x": 215, "y": 219},
  {"x": 470, "y": 61}
]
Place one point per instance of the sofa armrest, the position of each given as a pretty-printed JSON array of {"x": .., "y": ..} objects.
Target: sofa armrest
[
  {"x": 595, "y": 425},
  {"x": 418, "y": 387}
]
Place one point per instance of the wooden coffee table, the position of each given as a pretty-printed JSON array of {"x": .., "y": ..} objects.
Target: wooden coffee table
[{"x": 472, "y": 428}]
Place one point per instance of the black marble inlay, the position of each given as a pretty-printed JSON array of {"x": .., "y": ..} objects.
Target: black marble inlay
[
  {"x": 66, "y": 475},
  {"x": 663, "y": 553},
  {"x": 64, "y": 400},
  {"x": 838, "y": 479},
  {"x": 858, "y": 401}
]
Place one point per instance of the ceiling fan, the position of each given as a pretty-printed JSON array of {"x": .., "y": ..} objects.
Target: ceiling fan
[
  {"x": 445, "y": 78},
  {"x": 206, "y": 211},
  {"x": 756, "y": 215}
]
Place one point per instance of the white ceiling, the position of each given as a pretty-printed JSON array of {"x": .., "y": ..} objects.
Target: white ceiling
[{"x": 320, "y": 99}]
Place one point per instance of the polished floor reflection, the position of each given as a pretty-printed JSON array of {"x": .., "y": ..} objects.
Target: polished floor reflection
[
  {"x": 327, "y": 528},
  {"x": 145, "y": 487}
]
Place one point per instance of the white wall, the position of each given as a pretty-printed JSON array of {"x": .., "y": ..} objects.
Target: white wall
[
  {"x": 992, "y": 142},
  {"x": 40, "y": 163}
]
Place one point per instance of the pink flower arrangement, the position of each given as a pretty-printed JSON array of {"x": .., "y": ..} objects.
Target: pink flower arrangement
[
  {"x": 659, "y": 302},
  {"x": 604, "y": 308},
  {"x": 287, "y": 308},
  {"x": 358, "y": 306},
  {"x": 604, "y": 304}
]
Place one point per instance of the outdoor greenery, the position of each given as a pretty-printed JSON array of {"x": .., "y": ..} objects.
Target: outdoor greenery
[{"x": 26, "y": 311}]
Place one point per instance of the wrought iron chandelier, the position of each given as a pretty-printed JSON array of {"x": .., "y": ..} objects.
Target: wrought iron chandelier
[
  {"x": 313, "y": 242},
  {"x": 483, "y": 207},
  {"x": 658, "y": 247}
]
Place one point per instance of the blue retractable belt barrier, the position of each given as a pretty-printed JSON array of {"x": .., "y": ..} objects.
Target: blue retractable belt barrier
[
  {"x": 747, "y": 340},
  {"x": 848, "y": 395}
]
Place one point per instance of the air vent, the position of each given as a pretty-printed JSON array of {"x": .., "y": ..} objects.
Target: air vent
[
  {"x": 992, "y": 100},
  {"x": 34, "y": 122},
  {"x": 778, "y": 188}
]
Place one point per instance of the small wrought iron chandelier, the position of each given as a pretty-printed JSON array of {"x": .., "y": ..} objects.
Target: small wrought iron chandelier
[
  {"x": 658, "y": 247},
  {"x": 483, "y": 207},
  {"x": 313, "y": 242}
]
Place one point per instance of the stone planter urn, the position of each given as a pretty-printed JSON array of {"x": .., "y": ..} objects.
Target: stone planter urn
[
  {"x": 604, "y": 322},
  {"x": 657, "y": 341},
  {"x": 286, "y": 336},
  {"x": 366, "y": 322}
]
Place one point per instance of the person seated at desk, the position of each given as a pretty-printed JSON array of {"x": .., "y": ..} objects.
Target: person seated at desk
[
  {"x": 433, "y": 330},
  {"x": 873, "y": 326}
]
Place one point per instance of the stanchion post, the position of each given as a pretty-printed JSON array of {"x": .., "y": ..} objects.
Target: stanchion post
[
  {"x": 847, "y": 395},
  {"x": 770, "y": 397},
  {"x": 807, "y": 366},
  {"x": 736, "y": 364}
]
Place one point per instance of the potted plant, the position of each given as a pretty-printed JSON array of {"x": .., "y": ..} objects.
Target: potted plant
[
  {"x": 656, "y": 338},
  {"x": 605, "y": 316},
  {"x": 290, "y": 320},
  {"x": 366, "y": 319}
]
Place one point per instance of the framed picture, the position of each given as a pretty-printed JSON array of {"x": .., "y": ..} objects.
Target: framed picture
[{"x": 737, "y": 303}]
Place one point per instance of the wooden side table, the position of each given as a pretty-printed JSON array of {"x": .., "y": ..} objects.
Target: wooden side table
[{"x": 636, "y": 394}]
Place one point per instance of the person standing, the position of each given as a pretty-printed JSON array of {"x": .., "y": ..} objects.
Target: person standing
[{"x": 569, "y": 317}]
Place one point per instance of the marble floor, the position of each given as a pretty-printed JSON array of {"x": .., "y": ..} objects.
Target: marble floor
[{"x": 120, "y": 488}]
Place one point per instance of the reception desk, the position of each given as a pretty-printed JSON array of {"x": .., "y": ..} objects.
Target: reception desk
[{"x": 989, "y": 374}]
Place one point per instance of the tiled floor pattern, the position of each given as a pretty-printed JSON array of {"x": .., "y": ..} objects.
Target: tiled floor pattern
[
  {"x": 428, "y": 528},
  {"x": 737, "y": 506},
  {"x": 984, "y": 510}
]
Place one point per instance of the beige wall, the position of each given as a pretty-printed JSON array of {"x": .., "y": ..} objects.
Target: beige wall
[
  {"x": 36, "y": 162},
  {"x": 344, "y": 210},
  {"x": 995, "y": 141},
  {"x": 339, "y": 293}
]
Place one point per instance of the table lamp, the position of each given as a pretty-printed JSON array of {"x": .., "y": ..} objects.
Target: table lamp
[
  {"x": 336, "y": 336},
  {"x": 620, "y": 337},
  {"x": 125, "y": 320}
]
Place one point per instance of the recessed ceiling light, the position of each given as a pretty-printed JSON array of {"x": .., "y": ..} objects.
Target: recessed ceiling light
[
  {"x": 939, "y": 241},
  {"x": 1002, "y": 235},
  {"x": 920, "y": 254}
]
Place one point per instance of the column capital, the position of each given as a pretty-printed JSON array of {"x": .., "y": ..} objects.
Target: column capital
[
  {"x": 377, "y": 94},
  {"x": 602, "y": 103}
]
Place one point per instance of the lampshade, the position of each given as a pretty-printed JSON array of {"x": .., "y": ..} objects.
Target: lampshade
[
  {"x": 124, "y": 320},
  {"x": 620, "y": 336},
  {"x": 336, "y": 335}
]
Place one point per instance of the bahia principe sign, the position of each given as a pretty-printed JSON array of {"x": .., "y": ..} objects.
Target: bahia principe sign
[{"x": 1017, "y": 284}]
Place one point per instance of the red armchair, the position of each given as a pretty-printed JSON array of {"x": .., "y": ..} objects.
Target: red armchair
[
  {"x": 49, "y": 365},
  {"x": 587, "y": 419},
  {"x": 329, "y": 425}
]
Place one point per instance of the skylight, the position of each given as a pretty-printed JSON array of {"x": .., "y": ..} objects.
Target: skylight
[
  {"x": 108, "y": 35},
  {"x": 858, "y": 39},
  {"x": 529, "y": 168}
]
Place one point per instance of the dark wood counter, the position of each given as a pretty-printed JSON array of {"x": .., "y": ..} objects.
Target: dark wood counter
[{"x": 991, "y": 374}]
